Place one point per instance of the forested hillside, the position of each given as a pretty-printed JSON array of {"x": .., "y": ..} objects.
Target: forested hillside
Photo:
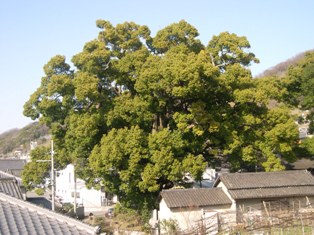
[
  {"x": 19, "y": 139},
  {"x": 138, "y": 111},
  {"x": 293, "y": 84},
  {"x": 281, "y": 69}
]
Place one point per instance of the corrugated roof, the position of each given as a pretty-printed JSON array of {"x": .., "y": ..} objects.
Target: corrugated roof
[
  {"x": 10, "y": 187},
  {"x": 20, "y": 217},
  {"x": 272, "y": 192},
  {"x": 178, "y": 198},
  {"x": 269, "y": 184},
  {"x": 267, "y": 179}
]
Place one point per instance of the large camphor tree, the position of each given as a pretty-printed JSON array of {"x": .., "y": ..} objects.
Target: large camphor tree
[{"x": 138, "y": 112}]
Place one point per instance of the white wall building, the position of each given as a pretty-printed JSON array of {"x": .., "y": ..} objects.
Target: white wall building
[
  {"x": 91, "y": 199},
  {"x": 189, "y": 207}
]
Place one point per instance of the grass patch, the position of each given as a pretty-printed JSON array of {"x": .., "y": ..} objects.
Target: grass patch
[
  {"x": 122, "y": 219},
  {"x": 39, "y": 191}
]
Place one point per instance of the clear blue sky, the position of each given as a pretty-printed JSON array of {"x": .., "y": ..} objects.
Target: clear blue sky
[{"x": 31, "y": 32}]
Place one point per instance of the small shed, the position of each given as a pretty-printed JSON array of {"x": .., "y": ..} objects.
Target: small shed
[
  {"x": 270, "y": 191},
  {"x": 189, "y": 206}
]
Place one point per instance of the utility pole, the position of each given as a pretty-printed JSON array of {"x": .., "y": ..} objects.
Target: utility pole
[
  {"x": 75, "y": 197},
  {"x": 52, "y": 178},
  {"x": 52, "y": 175}
]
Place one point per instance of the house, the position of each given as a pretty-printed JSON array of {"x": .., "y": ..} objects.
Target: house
[
  {"x": 189, "y": 206},
  {"x": 208, "y": 178},
  {"x": 303, "y": 123},
  {"x": 91, "y": 199},
  {"x": 237, "y": 196},
  {"x": 12, "y": 186},
  {"x": 21, "y": 217},
  {"x": 267, "y": 191}
]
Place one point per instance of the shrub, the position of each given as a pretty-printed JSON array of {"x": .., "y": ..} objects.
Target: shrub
[{"x": 40, "y": 191}]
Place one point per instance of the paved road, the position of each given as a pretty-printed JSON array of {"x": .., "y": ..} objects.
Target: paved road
[{"x": 42, "y": 200}]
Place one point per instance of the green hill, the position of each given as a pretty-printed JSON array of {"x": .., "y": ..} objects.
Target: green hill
[
  {"x": 19, "y": 139},
  {"x": 281, "y": 68}
]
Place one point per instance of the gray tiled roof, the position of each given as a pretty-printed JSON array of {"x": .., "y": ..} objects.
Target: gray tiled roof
[
  {"x": 15, "y": 172},
  {"x": 178, "y": 198},
  {"x": 272, "y": 192},
  {"x": 10, "y": 187},
  {"x": 269, "y": 184},
  {"x": 267, "y": 179},
  {"x": 13, "y": 166},
  {"x": 8, "y": 175},
  {"x": 20, "y": 217}
]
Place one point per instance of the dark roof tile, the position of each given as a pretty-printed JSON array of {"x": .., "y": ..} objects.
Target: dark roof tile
[
  {"x": 268, "y": 184},
  {"x": 267, "y": 179},
  {"x": 178, "y": 198},
  {"x": 20, "y": 217},
  {"x": 10, "y": 187},
  {"x": 272, "y": 192}
]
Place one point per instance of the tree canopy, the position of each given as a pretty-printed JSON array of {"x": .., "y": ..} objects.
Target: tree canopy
[
  {"x": 35, "y": 173},
  {"x": 138, "y": 112}
]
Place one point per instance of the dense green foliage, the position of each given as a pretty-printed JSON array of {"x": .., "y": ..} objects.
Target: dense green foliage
[
  {"x": 294, "y": 87},
  {"x": 34, "y": 173},
  {"x": 306, "y": 148},
  {"x": 299, "y": 83},
  {"x": 138, "y": 112}
]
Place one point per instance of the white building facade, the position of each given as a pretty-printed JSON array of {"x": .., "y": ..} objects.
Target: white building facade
[{"x": 89, "y": 198}]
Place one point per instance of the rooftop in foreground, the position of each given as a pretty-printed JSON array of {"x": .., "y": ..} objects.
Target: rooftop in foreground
[{"x": 20, "y": 217}]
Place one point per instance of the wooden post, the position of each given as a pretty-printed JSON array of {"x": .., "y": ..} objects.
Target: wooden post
[
  {"x": 52, "y": 178},
  {"x": 75, "y": 198},
  {"x": 302, "y": 224},
  {"x": 265, "y": 206}
]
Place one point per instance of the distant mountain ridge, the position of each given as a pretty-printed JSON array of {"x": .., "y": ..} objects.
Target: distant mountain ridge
[
  {"x": 20, "y": 139},
  {"x": 281, "y": 68}
]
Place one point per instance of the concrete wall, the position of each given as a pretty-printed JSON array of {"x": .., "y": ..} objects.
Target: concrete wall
[
  {"x": 185, "y": 217},
  {"x": 224, "y": 188},
  {"x": 189, "y": 217},
  {"x": 91, "y": 197}
]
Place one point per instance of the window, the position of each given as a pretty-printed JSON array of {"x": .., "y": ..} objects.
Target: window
[{"x": 77, "y": 194}]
